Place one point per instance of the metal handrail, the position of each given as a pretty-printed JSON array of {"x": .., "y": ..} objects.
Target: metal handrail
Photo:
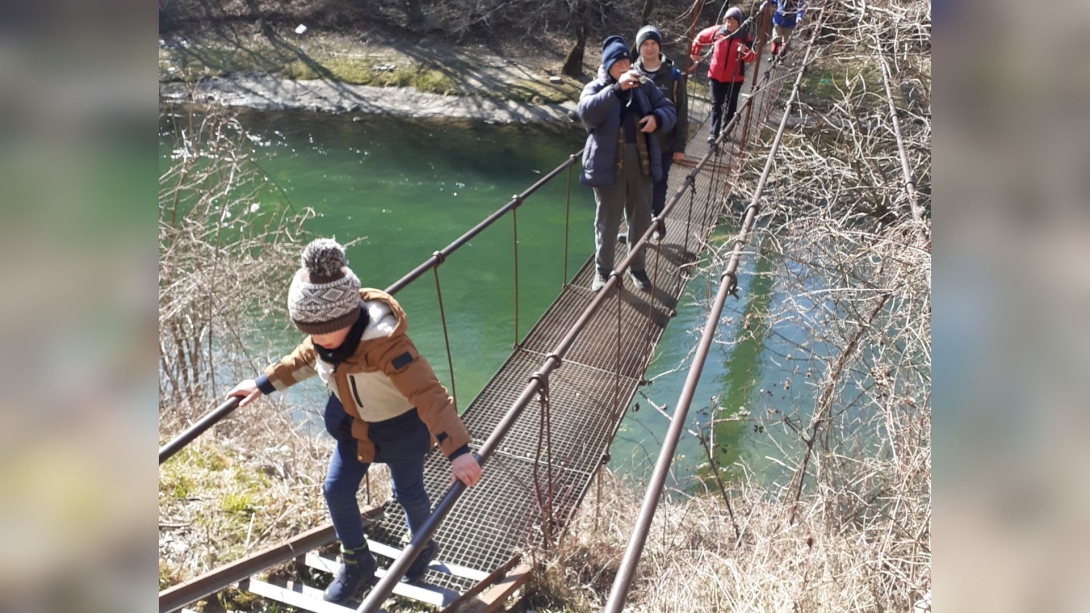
[
  {"x": 177, "y": 596},
  {"x": 728, "y": 282},
  {"x": 192, "y": 432}
]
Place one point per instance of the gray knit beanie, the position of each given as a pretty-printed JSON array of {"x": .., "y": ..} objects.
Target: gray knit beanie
[
  {"x": 648, "y": 33},
  {"x": 325, "y": 294},
  {"x": 734, "y": 13}
]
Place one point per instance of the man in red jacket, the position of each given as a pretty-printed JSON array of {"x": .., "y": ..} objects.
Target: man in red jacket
[{"x": 731, "y": 49}]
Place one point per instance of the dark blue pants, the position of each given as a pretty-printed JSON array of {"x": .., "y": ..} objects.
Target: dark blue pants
[
  {"x": 400, "y": 444},
  {"x": 658, "y": 190}
]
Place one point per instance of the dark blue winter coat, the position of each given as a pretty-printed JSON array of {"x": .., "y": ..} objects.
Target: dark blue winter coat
[
  {"x": 600, "y": 111},
  {"x": 787, "y": 12}
]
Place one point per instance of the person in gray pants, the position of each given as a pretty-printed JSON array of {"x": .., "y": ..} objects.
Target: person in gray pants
[{"x": 621, "y": 112}]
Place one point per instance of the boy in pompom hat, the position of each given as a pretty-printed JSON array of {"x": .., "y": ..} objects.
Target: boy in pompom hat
[
  {"x": 655, "y": 66},
  {"x": 621, "y": 113},
  {"x": 727, "y": 73},
  {"x": 386, "y": 404}
]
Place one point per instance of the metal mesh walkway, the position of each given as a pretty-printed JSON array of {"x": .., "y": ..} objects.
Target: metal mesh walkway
[{"x": 589, "y": 393}]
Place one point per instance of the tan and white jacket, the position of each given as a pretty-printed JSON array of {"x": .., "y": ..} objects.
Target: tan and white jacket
[{"x": 384, "y": 378}]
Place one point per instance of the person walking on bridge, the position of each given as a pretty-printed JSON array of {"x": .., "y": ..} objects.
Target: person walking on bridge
[
  {"x": 385, "y": 404},
  {"x": 784, "y": 20},
  {"x": 621, "y": 112},
  {"x": 731, "y": 52},
  {"x": 655, "y": 66}
]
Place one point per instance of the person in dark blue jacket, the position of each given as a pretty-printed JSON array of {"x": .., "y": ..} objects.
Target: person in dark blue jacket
[
  {"x": 621, "y": 112},
  {"x": 784, "y": 20}
]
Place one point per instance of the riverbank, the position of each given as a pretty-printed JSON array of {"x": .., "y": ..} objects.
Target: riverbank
[
  {"x": 270, "y": 93},
  {"x": 268, "y": 69}
]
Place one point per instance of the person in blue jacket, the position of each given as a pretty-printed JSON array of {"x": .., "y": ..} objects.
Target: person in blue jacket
[
  {"x": 784, "y": 19},
  {"x": 621, "y": 112}
]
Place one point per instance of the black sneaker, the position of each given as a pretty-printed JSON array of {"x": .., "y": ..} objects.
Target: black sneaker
[
  {"x": 600, "y": 281},
  {"x": 640, "y": 279},
  {"x": 357, "y": 567},
  {"x": 420, "y": 564}
]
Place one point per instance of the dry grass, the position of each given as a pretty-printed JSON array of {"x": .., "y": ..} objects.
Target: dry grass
[
  {"x": 872, "y": 561},
  {"x": 252, "y": 482},
  {"x": 258, "y": 482}
]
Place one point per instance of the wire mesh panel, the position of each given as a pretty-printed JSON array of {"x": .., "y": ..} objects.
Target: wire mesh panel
[
  {"x": 585, "y": 406},
  {"x": 492, "y": 520}
]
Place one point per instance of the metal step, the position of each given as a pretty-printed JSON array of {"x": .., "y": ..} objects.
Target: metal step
[
  {"x": 295, "y": 595},
  {"x": 465, "y": 572},
  {"x": 430, "y": 594}
]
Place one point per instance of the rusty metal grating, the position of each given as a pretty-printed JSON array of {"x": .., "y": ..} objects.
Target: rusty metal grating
[
  {"x": 491, "y": 521},
  {"x": 597, "y": 344},
  {"x": 583, "y": 412}
]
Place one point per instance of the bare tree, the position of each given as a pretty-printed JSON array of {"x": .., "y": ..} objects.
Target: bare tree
[
  {"x": 573, "y": 63},
  {"x": 224, "y": 246},
  {"x": 414, "y": 13}
]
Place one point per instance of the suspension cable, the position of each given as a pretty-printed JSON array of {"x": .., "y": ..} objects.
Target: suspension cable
[
  {"x": 545, "y": 500},
  {"x": 446, "y": 338},
  {"x": 515, "y": 235},
  {"x": 567, "y": 221}
]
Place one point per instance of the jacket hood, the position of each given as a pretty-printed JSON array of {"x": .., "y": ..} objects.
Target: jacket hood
[
  {"x": 386, "y": 317},
  {"x": 603, "y": 74}
]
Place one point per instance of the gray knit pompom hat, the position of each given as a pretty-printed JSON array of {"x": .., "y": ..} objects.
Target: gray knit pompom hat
[{"x": 325, "y": 294}]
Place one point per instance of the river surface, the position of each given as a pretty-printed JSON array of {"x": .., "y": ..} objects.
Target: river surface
[{"x": 406, "y": 188}]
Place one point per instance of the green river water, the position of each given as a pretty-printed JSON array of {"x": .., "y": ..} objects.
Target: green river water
[{"x": 408, "y": 188}]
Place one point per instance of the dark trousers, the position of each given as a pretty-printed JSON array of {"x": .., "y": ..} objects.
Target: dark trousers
[
  {"x": 723, "y": 94},
  {"x": 658, "y": 189},
  {"x": 401, "y": 444}
]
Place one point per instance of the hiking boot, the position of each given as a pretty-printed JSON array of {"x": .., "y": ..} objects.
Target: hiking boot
[
  {"x": 357, "y": 568},
  {"x": 600, "y": 280},
  {"x": 420, "y": 564},
  {"x": 640, "y": 279}
]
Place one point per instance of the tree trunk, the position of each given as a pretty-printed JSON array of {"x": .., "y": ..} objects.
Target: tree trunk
[
  {"x": 414, "y": 13},
  {"x": 573, "y": 64},
  {"x": 645, "y": 14}
]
